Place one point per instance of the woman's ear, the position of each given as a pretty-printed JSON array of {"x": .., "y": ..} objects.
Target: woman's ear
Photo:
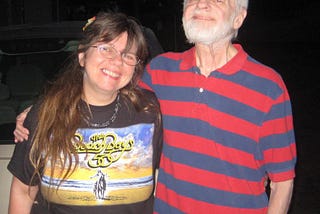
[
  {"x": 81, "y": 55},
  {"x": 81, "y": 58}
]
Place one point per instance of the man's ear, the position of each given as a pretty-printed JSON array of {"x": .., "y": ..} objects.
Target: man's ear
[{"x": 239, "y": 19}]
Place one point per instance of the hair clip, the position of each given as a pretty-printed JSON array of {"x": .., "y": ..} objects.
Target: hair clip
[{"x": 89, "y": 22}]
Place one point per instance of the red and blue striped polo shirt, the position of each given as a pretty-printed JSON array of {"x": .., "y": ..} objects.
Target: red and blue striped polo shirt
[{"x": 224, "y": 134}]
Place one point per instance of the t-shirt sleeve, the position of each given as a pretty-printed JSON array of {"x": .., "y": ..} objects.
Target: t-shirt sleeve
[{"x": 19, "y": 164}]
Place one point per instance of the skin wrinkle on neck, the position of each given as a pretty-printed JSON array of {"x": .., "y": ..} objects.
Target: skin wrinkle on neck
[{"x": 219, "y": 57}]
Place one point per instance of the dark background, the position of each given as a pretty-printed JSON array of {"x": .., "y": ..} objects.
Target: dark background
[{"x": 283, "y": 34}]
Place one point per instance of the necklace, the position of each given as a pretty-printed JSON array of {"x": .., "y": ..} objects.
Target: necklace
[{"x": 108, "y": 122}]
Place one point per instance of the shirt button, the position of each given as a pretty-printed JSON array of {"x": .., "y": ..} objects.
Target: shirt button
[{"x": 201, "y": 90}]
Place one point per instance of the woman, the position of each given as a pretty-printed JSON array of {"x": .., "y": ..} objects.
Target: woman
[{"x": 95, "y": 136}]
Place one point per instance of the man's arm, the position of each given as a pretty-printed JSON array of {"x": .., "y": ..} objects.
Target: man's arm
[
  {"x": 21, "y": 197},
  {"x": 280, "y": 197}
]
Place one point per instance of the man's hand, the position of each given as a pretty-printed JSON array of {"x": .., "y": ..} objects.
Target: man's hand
[{"x": 21, "y": 133}]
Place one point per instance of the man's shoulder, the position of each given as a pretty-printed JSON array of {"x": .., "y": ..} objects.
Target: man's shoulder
[
  {"x": 261, "y": 69},
  {"x": 174, "y": 54}
]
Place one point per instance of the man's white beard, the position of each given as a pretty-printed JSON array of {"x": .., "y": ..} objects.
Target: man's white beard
[{"x": 200, "y": 32}]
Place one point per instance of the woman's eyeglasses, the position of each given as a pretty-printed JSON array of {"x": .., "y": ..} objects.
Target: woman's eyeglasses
[{"x": 110, "y": 52}]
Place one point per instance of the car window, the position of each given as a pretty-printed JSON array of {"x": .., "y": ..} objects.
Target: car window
[{"x": 29, "y": 57}]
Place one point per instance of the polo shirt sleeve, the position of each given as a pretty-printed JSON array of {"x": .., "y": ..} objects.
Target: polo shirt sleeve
[
  {"x": 277, "y": 139},
  {"x": 146, "y": 80}
]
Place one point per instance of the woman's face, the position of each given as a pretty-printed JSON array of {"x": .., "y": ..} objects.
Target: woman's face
[{"x": 104, "y": 76}]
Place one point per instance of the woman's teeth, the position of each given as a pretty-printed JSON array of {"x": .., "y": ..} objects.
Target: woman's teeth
[{"x": 110, "y": 73}]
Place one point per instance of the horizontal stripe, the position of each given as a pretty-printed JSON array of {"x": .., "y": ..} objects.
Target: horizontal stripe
[
  {"x": 226, "y": 87},
  {"x": 282, "y": 176},
  {"x": 161, "y": 207},
  {"x": 212, "y": 117},
  {"x": 256, "y": 68},
  {"x": 279, "y": 110},
  {"x": 211, "y": 148},
  {"x": 176, "y": 79},
  {"x": 220, "y": 103},
  {"x": 281, "y": 155},
  {"x": 204, "y": 130},
  {"x": 210, "y": 196},
  {"x": 277, "y": 140},
  {"x": 210, "y": 164},
  {"x": 256, "y": 83},
  {"x": 277, "y": 126},
  {"x": 282, "y": 167},
  {"x": 190, "y": 206},
  {"x": 161, "y": 63},
  {"x": 197, "y": 176}
]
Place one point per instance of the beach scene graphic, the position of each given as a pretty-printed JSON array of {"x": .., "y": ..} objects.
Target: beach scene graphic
[
  {"x": 100, "y": 185},
  {"x": 115, "y": 167}
]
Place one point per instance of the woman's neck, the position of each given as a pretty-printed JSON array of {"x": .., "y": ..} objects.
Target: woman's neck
[{"x": 99, "y": 100}]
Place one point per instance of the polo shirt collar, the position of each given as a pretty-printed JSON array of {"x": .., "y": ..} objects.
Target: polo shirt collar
[{"x": 233, "y": 65}]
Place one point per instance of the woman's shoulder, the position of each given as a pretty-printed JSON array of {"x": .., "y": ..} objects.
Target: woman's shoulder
[
  {"x": 149, "y": 94},
  {"x": 149, "y": 97},
  {"x": 32, "y": 116}
]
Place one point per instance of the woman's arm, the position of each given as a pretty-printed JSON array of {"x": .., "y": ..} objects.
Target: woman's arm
[{"x": 21, "y": 197}]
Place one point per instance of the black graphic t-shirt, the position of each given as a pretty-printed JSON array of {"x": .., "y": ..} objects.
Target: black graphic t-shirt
[{"x": 116, "y": 170}]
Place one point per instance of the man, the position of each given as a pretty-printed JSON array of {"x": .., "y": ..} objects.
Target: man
[{"x": 228, "y": 125}]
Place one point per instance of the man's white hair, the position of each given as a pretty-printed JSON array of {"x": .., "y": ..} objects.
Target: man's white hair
[{"x": 242, "y": 3}]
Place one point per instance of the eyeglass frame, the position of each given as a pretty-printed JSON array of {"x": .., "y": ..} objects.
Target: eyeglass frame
[{"x": 115, "y": 52}]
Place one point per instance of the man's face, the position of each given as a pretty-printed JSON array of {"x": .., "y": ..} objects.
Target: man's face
[{"x": 209, "y": 21}]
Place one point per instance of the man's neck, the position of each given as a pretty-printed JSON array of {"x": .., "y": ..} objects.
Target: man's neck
[{"x": 211, "y": 57}]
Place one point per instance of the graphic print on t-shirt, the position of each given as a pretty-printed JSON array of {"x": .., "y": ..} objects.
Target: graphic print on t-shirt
[{"x": 115, "y": 167}]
